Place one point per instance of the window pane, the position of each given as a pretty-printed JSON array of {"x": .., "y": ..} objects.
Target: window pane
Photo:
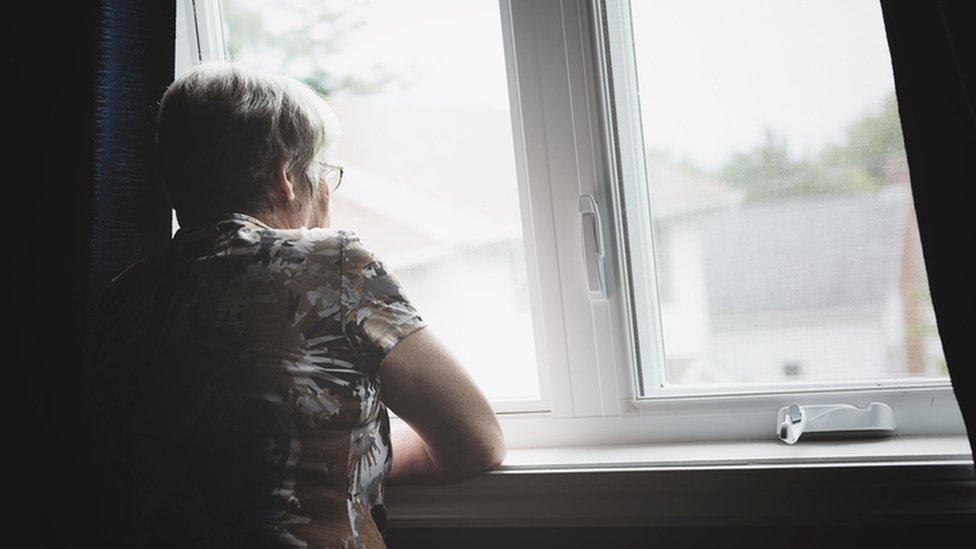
[
  {"x": 430, "y": 182},
  {"x": 784, "y": 230}
]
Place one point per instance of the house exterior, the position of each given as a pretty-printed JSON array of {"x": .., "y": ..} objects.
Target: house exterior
[{"x": 811, "y": 288}]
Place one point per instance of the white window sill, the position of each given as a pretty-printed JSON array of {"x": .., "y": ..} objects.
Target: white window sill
[
  {"x": 703, "y": 483},
  {"x": 724, "y": 454}
]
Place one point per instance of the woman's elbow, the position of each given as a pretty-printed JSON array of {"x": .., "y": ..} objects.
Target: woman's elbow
[
  {"x": 495, "y": 454},
  {"x": 489, "y": 453},
  {"x": 494, "y": 448}
]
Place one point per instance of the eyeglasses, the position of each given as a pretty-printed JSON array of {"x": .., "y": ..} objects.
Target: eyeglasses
[{"x": 333, "y": 175}]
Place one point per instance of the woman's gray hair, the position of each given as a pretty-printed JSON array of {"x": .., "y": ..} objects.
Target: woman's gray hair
[{"x": 223, "y": 132}]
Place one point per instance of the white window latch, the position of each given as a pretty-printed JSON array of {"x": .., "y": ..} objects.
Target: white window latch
[
  {"x": 834, "y": 420},
  {"x": 594, "y": 253}
]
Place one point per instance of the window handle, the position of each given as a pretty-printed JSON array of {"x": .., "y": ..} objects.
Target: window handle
[
  {"x": 591, "y": 240},
  {"x": 834, "y": 419}
]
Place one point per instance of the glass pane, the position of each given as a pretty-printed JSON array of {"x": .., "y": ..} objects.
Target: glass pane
[
  {"x": 430, "y": 183},
  {"x": 784, "y": 230}
]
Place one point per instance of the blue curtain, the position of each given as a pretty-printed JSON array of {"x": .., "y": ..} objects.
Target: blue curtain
[{"x": 85, "y": 204}]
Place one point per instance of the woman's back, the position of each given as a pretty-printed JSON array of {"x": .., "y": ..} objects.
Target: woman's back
[{"x": 237, "y": 387}]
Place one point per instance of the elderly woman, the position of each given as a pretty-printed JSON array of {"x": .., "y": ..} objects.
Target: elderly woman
[{"x": 239, "y": 370}]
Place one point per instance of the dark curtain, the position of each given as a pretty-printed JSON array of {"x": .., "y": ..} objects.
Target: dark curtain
[
  {"x": 85, "y": 204},
  {"x": 934, "y": 58}
]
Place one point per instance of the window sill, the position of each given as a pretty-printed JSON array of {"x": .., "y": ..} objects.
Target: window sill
[{"x": 756, "y": 482}]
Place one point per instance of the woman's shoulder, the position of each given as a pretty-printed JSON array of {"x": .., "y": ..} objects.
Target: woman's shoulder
[
  {"x": 335, "y": 247},
  {"x": 310, "y": 242},
  {"x": 327, "y": 236},
  {"x": 329, "y": 241}
]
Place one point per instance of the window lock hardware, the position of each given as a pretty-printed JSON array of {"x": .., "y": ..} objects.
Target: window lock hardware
[
  {"x": 594, "y": 251},
  {"x": 834, "y": 420}
]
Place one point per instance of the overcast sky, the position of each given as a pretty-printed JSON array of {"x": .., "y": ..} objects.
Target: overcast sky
[{"x": 713, "y": 74}]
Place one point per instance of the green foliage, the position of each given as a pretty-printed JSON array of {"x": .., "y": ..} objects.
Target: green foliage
[
  {"x": 856, "y": 165},
  {"x": 871, "y": 140},
  {"x": 312, "y": 33},
  {"x": 766, "y": 169}
]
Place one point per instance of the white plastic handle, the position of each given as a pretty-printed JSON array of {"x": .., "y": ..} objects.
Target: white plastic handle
[
  {"x": 792, "y": 421},
  {"x": 591, "y": 242}
]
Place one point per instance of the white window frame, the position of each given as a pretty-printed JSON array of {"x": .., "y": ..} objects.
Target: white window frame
[
  {"x": 560, "y": 59},
  {"x": 199, "y": 33}
]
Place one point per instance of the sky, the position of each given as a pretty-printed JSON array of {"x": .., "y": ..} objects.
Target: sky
[
  {"x": 712, "y": 74},
  {"x": 446, "y": 52}
]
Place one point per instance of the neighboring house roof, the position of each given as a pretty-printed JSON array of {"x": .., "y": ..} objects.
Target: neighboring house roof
[
  {"x": 806, "y": 254},
  {"x": 462, "y": 154},
  {"x": 422, "y": 181},
  {"x": 381, "y": 234},
  {"x": 676, "y": 190},
  {"x": 407, "y": 225}
]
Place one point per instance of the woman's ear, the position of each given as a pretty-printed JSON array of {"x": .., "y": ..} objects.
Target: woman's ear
[{"x": 285, "y": 182}]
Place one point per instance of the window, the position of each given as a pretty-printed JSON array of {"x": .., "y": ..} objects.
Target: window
[
  {"x": 767, "y": 228},
  {"x": 780, "y": 196},
  {"x": 680, "y": 220}
]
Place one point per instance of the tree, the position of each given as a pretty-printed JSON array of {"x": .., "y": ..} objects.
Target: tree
[
  {"x": 766, "y": 169},
  {"x": 855, "y": 165},
  {"x": 306, "y": 37},
  {"x": 871, "y": 140}
]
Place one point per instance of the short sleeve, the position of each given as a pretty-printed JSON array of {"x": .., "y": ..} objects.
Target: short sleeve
[{"x": 376, "y": 313}]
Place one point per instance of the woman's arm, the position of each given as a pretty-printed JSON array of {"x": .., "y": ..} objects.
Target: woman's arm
[
  {"x": 453, "y": 432},
  {"x": 411, "y": 462}
]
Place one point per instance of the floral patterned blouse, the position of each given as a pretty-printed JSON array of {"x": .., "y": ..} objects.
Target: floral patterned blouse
[{"x": 237, "y": 389}]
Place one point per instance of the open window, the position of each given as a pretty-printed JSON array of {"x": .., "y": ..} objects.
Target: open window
[{"x": 634, "y": 222}]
